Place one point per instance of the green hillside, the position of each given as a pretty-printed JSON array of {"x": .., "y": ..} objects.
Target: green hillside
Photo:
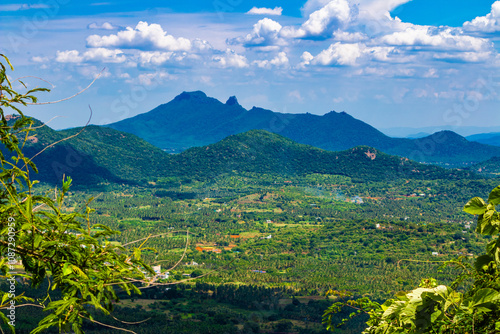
[
  {"x": 445, "y": 148},
  {"x": 260, "y": 151},
  {"x": 97, "y": 154},
  {"x": 489, "y": 167},
  {"x": 100, "y": 154}
]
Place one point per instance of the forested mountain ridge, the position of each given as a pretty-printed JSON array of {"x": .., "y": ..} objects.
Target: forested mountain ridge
[
  {"x": 96, "y": 154},
  {"x": 264, "y": 152},
  {"x": 489, "y": 167},
  {"x": 193, "y": 119},
  {"x": 102, "y": 154},
  {"x": 445, "y": 148}
]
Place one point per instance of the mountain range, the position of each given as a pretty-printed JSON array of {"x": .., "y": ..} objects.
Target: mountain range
[
  {"x": 99, "y": 154},
  {"x": 193, "y": 119},
  {"x": 230, "y": 139}
]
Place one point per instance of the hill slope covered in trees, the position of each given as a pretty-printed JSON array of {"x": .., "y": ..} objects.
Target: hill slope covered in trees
[{"x": 101, "y": 154}]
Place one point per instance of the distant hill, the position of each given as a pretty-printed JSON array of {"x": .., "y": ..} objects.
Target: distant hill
[
  {"x": 95, "y": 155},
  {"x": 492, "y": 138},
  {"x": 260, "y": 151},
  {"x": 489, "y": 167},
  {"x": 445, "y": 148},
  {"x": 192, "y": 119},
  {"x": 465, "y": 131}
]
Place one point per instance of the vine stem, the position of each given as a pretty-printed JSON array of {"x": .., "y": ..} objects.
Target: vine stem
[
  {"x": 69, "y": 98},
  {"x": 106, "y": 325}
]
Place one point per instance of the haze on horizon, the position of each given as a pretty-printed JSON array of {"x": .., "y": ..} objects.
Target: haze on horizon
[{"x": 396, "y": 63}]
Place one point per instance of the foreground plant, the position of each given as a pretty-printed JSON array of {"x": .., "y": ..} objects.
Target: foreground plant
[
  {"x": 54, "y": 245},
  {"x": 433, "y": 308}
]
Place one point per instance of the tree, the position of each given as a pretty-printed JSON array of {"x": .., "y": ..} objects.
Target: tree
[
  {"x": 459, "y": 308},
  {"x": 54, "y": 245}
]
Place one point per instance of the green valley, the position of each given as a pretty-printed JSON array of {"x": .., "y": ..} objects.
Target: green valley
[{"x": 291, "y": 238}]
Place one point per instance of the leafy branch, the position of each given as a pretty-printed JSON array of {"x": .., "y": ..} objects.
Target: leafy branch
[{"x": 62, "y": 247}]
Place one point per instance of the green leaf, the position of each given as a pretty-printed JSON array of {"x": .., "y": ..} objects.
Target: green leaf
[
  {"x": 436, "y": 316},
  {"x": 394, "y": 309},
  {"x": 494, "y": 197},
  {"x": 66, "y": 184},
  {"x": 137, "y": 253},
  {"x": 482, "y": 262},
  {"x": 487, "y": 223},
  {"x": 454, "y": 298},
  {"x": 38, "y": 240},
  {"x": 475, "y": 206},
  {"x": 5, "y": 297},
  {"x": 484, "y": 296},
  {"x": 67, "y": 269}
]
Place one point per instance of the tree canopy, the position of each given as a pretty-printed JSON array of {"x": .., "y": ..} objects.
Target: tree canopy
[{"x": 471, "y": 304}]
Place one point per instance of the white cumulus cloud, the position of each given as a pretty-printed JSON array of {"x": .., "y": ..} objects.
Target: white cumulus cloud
[
  {"x": 350, "y": 37},
  {"x": 338, "y": 54},
  {"x": 313, "y": 5},
  {"x": 144, "y": 37},
  {"x": 104, "y": 55},
  {"x": 281, "y": 60},
  {"x": 467, "y": 57},
  {"x": 102, "y": 26},
  {"x": 265, "y": 33},
  {"x": 92, "y": 55},
  {"x": 322, "y": 22},
  {"x": 265, "y": 11},
  {"x": 489, "y": 23},
  {"x": 445, "y": 38},
  {"x": 38, "y": 59},
  {"x": 378, "y": 8},
  {"x": 371, "y": 8},
  {"x": 154, "y": 57},
  {"x": 70, "y": 56},
  {"x": 354, "y": 54},
  {"x": 306, "y": 59},
  {"x": 230, "y": 59}
]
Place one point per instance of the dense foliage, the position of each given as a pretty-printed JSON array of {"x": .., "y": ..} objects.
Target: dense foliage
[{"x": 320, "y": 240}]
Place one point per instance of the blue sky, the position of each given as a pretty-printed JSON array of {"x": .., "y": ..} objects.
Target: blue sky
[{"x": 390, "y": 63}]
